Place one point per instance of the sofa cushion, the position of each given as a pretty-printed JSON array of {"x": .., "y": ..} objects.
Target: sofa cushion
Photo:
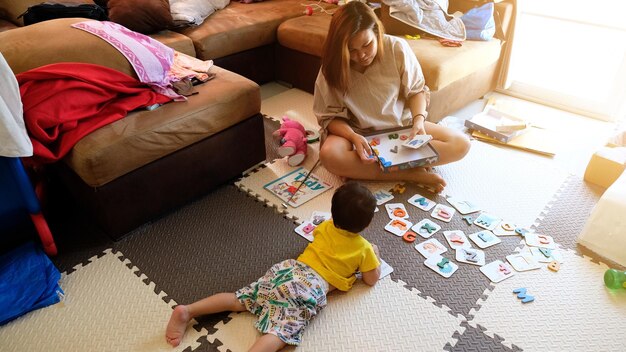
[
  {"x": 441, "y": 65},
  {"x": 6, "y": 25},
  {"x": 12, "y": 9},
  {"x": 143, "y": 16},
  {"x": 26, "y": 48},
  {"x": 239, "y": 27},
  {"x": 176, "y": 41},
  {"x": 145, "y": 136}
]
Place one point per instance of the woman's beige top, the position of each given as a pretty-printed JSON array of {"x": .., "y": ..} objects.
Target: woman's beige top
[{"x": 376, "y": 99}]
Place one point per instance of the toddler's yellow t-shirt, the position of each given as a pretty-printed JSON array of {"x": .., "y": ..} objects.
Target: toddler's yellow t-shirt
[{"x": 337, "y": 254}]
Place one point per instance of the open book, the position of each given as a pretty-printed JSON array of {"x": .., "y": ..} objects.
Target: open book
[{"x": 286, "y": 187}]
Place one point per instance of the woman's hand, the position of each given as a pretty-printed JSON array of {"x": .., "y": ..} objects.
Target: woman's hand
[
  {"x": 418, "y": 126},
  {"x": 363, "y": 149}
]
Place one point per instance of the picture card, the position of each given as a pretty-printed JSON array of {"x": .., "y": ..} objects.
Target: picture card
[
  {"x": 396, "y": 211},
  {"x": 430, "y": 247},
  {"x": 382, "y": 196},
  {"x": 422, "y": 202},
  {"x": 484, "y": 239},
  {"x": 544, "y": 255},
  {"x": 385, "y": 269},
  {"x": 505, "y": 228},
  {"x": 463, "y": 206},
  {"x": 306, "y": 230},
  {"x": 487, "y": 221},
  {"x": 538, "y": 240},
  {"x": 470, "y": 256},
  {"x": 319, "y": 217},
  {"x": 426, "y": 228},
  {"x": 523, "y": 262},
  {"x": 441, "y": 265},
  {"x": 497, "y": 271},
  {"x": 417, "y": 141},
  {"x": 457, "y": 239},
  {"x": 398, "y": 226},
  {"x": 297, "y": 187},
  {"x": 443, "y": 212}
]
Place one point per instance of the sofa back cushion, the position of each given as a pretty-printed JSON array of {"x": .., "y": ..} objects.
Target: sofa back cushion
[
  {"x": 12, "y": 9},
  {"x": 143, "y": 16},
  {"x": 55, "y": 41}
]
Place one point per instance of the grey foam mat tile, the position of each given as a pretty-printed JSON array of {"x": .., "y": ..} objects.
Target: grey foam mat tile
[
  {"x": 461, "y": 291},
  {"x": 474, "y": 340}
]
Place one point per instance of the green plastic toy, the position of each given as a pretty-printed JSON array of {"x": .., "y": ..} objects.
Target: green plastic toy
[{"x": 615, "y": 279}]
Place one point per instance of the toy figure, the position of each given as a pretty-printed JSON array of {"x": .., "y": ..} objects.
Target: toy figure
[
  {"x": 292, "y": 141},
  {"x": 615, "y": 279}
]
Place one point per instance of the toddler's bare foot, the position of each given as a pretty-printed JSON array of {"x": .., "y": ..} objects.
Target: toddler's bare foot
[
  {"x": 177, "y": 325},
  {"x": 428, "y": 179}
]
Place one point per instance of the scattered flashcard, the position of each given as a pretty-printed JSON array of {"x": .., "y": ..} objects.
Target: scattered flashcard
[
  {"x": 537, "y": 240},
  {"x": 396, "y": 211},
  {"x": 463, "y": 206},
  {"x": 382, "y": 196},
  {"x": 430, "y": 247},
  {"x": 418, "y": 141},
  {"x": 456, "y": 239},
  {"x": 505, "y": 229},
  {"x": 484, "y": 239},
  {"x": 487, "y": 221},
  {"x": 385, "y": 269},
  {"x": 470, "y": 256},
  {"x": 297, "y": 187},
  {"x": 426, "y": 228},
  {"x": 441, "y": 265},
  {"x": 545, "y": 255},
  {"x": 376, "y": 210},
  {"x": 398, "y": 226},
  {"x": 306, "y": 230},
  {"x": 523, "y": 262},
  {"x": 443, "y": 212},
  {"x": 422, "y": 202},
  {"x": 497, "y": 271},
  {"x": 319, "y": 217}
]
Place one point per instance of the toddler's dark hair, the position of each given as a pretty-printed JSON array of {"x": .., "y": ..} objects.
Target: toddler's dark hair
[{"x": 353, "y": 207}]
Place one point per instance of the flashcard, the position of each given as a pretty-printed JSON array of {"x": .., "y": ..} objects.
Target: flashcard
[
  {"x": 417, "y": 141},
  {"x": 484, "y": 239},
  {"x": 497, "y": 271},
  {"x": 319, "y": 217},
  {"x": 306, "y": 230},
  {"x": 523, "y": 262},
  {"x": 396, "y": 211},
  {"x": 463, "y": 206},
  {"x": 376, "y": 210},
  {"x": 398, "y": 226},
  {"x": 505, "y": 228},
  {"x": 422, "y": 202},
  {"x": 382, "y": 196},
  {"x": 385, "y": 269},
  {"x": 545, "y": 255},
  {"x": 470, "y": 256},
  {"x": 443, "y": 212},
  {"x": 426, "y": 228},
  {"x": 441, "y": 265},
  {"x": 537, "y": 240},
  {"x": 487, "y": 221},
  {"x": 430, "y": 247},
  {"x": 456, "y": 239}
]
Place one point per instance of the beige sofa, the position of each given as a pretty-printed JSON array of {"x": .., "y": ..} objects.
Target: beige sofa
[{"x": 150, "y": 162}]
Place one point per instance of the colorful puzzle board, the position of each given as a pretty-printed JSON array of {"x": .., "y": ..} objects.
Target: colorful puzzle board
[{"x": 403, "y": 157}]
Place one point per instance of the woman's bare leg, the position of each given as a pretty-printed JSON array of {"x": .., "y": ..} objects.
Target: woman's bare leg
[
  {"x": 181, "y": 315},
  {"x": 451, "y": 145}
]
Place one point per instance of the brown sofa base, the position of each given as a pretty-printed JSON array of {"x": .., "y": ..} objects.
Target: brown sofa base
[
  {"x": 255, "y": 64},
  {"x": 161, "y": 186}
]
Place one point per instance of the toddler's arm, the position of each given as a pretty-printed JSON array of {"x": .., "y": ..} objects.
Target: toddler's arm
[{"x": 371, "y": 277}]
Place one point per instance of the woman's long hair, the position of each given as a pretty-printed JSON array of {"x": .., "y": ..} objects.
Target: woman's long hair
[{"x": 347, "y": 21}]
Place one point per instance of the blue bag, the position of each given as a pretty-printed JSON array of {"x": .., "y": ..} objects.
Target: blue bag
[
  {"x": 479, "y": 22},
  {"x": 28, "y": 281}
]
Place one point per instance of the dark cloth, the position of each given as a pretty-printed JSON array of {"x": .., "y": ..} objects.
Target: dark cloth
[{"x": 64, "y": 102}]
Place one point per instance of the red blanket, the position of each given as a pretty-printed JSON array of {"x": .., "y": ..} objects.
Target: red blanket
[{"x": 66, "y": 101}]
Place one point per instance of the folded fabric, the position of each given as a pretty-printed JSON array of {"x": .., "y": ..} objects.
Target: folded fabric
[
  {"x": 194, "y": 12},
  {"x": 28, "y": 281},
  {"x": 479, "y": 22},
  {"x": 15, "y": 141},
  {"x": 64, "y": 102}
]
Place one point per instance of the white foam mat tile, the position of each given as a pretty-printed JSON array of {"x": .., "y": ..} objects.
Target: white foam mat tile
[
  {"x": 513, "y": 186},
  {"x": 572, "y": 310},
  {"x": 253, "y": 184},
  {"x": 386, "y": 317},
  {"x": 107, "y": 308},
  {"x": 283, "y": 104}
]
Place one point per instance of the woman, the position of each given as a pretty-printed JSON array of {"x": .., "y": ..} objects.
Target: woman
[{"x": 370, "y": 81}]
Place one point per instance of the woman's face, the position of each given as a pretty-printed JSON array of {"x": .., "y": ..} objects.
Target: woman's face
[{"x": 363, "y": 47}]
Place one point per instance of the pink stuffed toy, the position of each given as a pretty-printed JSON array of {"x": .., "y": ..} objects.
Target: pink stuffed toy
[{"x": 292, "y": 141}]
